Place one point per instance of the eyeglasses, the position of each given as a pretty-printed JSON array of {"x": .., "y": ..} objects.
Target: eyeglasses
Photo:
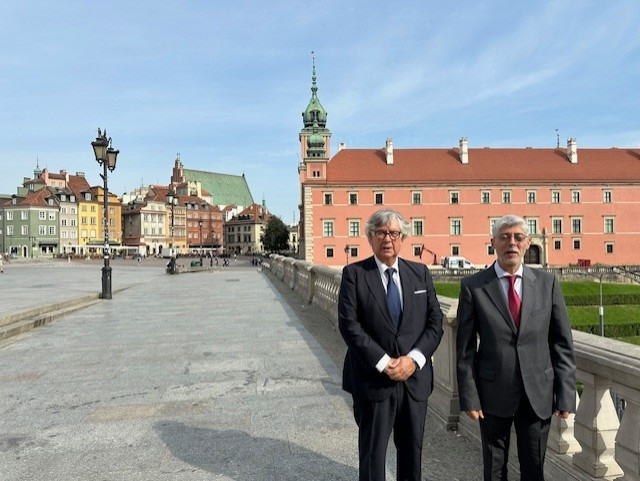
[
  {"x": 507, "y": 237},
  {"x": 393, "y": 234}
]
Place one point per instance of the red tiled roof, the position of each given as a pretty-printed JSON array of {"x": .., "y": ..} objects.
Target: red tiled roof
[{"x": 487, "y": 165}]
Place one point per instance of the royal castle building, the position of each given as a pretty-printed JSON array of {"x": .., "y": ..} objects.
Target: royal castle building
[{"x": 580, "y": 204}]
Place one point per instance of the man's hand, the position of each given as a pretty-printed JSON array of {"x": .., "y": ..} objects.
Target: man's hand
[
  {"x": 475, "y": 414},
  {"x": 562, "y": 414},
  {"x": 400, "y": 369}
]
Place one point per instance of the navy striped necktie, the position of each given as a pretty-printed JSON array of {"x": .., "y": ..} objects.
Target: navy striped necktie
[{"x": 393, "y": 297}]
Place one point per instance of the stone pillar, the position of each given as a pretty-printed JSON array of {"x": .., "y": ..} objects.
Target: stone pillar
[
  {"x": 596, "y": 424},
  {"x": 628, "y": 438}
]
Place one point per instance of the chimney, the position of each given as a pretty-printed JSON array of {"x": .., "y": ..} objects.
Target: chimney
[
  {"x": 464, "y": 150},
  {"x": 341, "y": 146},
  {"x": 389, "y": 148},
  {"x": 572, "y": 150}
]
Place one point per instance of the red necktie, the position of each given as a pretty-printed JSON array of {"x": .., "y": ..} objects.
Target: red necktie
[{"x": 514, "y": 301}]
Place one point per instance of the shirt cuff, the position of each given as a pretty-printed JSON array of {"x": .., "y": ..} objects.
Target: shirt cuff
[
  {"x": 382, "y": 363},
  {"x": 418, "y": 357}
]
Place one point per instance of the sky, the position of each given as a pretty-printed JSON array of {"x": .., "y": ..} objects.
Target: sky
[{"x": 224, "y": 83}]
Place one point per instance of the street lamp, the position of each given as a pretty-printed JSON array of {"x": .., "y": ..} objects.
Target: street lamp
[
  {"x": 106, "y": 156},
  {"x": 346, "y": 251},
  {"x": 200, "y": 224},
  {"x": 172, "y": 200}
]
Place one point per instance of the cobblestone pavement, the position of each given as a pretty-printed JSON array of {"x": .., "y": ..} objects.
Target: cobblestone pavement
[{"x": 218, "y": 375}]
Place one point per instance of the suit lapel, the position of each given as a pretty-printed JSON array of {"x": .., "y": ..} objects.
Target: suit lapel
[
  {"x": 496, "y": 294},
  {"x": 528, "y": 293},
  {"x": 374, "y": 281}
]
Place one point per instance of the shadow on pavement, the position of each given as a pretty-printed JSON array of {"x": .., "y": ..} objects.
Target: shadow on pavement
[{"x": 239, "y": 456}]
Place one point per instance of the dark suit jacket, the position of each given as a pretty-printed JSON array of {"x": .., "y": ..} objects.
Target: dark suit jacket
[
  {"x": 538, "y": 358},
  {"x": 369, "y": 331}
]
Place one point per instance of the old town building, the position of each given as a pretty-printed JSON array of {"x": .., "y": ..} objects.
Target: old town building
[{"x": 580, "y": 204}]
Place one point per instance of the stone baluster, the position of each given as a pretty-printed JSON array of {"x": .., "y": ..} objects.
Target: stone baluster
[
  {"x": 561, "y": 437},
  {"x": 628, "y": 438},
  {"x": 595, "y": 427}
]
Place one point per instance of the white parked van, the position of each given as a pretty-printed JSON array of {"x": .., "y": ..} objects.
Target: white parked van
[{"x": 457, "y": 262}]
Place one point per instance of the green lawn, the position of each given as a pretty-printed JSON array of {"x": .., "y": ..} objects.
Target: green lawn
[
  {"x": 620, "y": 314},
  {"x": 452, "y": 289}
]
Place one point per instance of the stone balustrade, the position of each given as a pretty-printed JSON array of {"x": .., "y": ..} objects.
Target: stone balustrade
[{"x": 592, "y": 445}]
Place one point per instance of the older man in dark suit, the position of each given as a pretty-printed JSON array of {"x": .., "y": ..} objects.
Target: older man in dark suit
[
  {"x": 390, "y": 319},
  {"x": 522, "y": 370}
]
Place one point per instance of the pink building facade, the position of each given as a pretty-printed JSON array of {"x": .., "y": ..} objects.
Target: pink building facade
[{"x": 581, "y": 206}]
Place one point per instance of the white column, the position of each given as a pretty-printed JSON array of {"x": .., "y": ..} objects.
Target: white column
[
  {"x": 596, "y": 424},
  {"x": 628, "y": 439}
]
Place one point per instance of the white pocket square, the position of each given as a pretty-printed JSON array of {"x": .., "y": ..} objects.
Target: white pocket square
[{"x": 420, "y": 292}]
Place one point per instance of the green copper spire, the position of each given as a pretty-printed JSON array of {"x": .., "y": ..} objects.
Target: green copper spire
[{"x": 314, "y": 113}]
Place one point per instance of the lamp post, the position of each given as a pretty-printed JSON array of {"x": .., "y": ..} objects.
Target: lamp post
[
  {"x": 346, "y": 251},
  {"x": 106, "y": 156},
  {"x": 200, "y": 224},
  {"x": 172, "y": 200}
]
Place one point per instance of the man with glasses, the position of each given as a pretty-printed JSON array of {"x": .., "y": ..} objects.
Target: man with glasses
[
  {"x": 522, "y": 370},
  {"x": 391, "y": 321}
]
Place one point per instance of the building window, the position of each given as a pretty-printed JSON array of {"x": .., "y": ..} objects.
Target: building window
[
  {"x": 506, "y": 197},
  {"x": 87, "y": 196},
  {"x": 52, "y": 230},
  {"x": 378, "y": 198},
  {"x": 328, "y": 228},
  {"x": 24, "y": 230},
  {"x": 456, "y": 227},
  {"x": 576, "y": 226},
  {"x": 328, "y": 198},
  {"x": 490, "y": 250},
  {"x": 555, "y": 196},
  {"x": 52, "y": 216},
  {"x": 328, "y": 252},
  {"x": 416, "y": 198},
  {"x": 42, "y": 215},
  {"x": 607, "y": 198},
  {"x": 485, "y": 197},
  {"x": 9, "y": 215},
  {"x": 455, "y": 250},
  {"x": 608, "y": 225},
  {"x": 354, "y": 228},
  {"x": 353, "y": 198},
  {"x": 576, "y": 244},
  {"x": 42, "y": 230},
  {"x": 556, "y": 226},
  {"x": 557, "y": 244},
  {"x": 531, "y": 197},
  {"x": 9, "y": 230},
  {"x": 63, "y": 222},
  {"x": 417, "y": 228},
  {"x": 532, "y": 224},
  {"x": 454, "y": 197},
  {"x": 417, "y": 250},
  {"x": 575, "y": 196},
  {"x": 353, "y": 251},
  {"x": 608, "y": 247}
]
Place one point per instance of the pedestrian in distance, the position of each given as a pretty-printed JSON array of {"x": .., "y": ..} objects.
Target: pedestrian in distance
[
  {"x": 391, "y": 321},
  {"x": 522, "y": 370},
  {"x": 1, "y": 267}
]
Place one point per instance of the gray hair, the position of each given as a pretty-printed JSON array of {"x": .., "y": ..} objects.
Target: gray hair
[
  {"x": 509, "y": 221},
  {"x": 383, "y": 217}
]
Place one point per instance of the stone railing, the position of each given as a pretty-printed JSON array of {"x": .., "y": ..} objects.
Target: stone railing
[{"x": 592, "y": 445}]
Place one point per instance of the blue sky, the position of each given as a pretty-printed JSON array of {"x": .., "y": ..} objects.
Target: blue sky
[{"x": 224, "y": 83}]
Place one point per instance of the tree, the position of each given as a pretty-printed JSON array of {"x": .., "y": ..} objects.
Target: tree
[{"x": 276, "y": 235}]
